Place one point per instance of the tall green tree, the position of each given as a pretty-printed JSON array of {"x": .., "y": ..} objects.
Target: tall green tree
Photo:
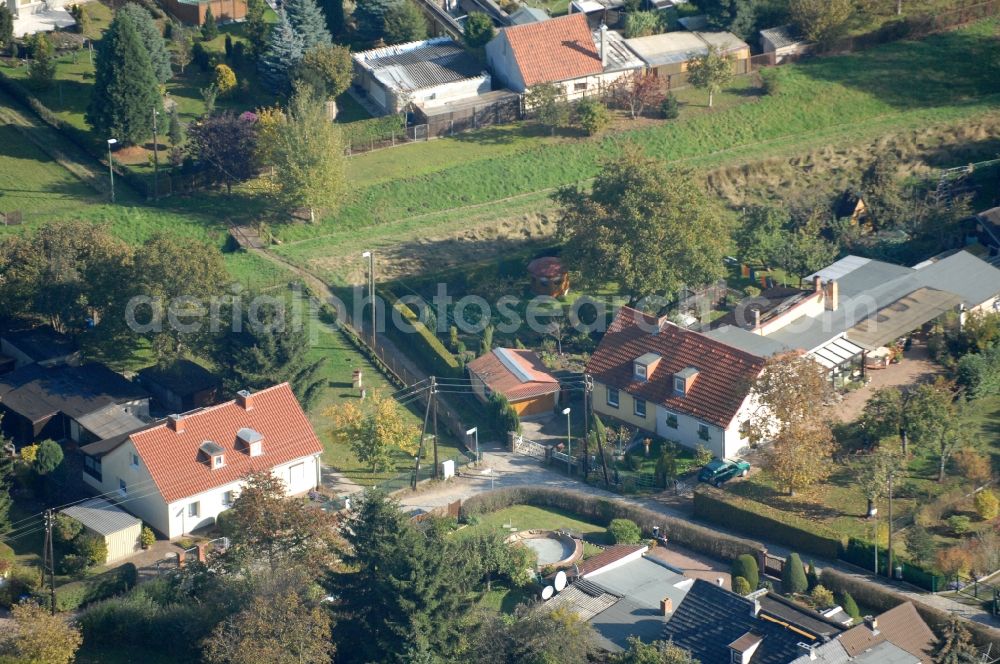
[
  {"x": 126, "y": 91},
  {"x": 308, "y": 155},
  {"x": 283, "y": 54},
  {"x": 369, "y": 19},
  {"x": 884, "y": 197},
  {"x": 209, "y": 29},
  {"x": 328, "y": 70},
  {"x": 225, "y": 144},
  {"x": 761, "y": 235},
  {"x": 874, "y": 474},
  {"x": 404, "y": 22},
  {"x": 308, "y": 21},
  {"x": 736, "y": 16},
  {"x": 267, "y": 347},
  {"x": 955, "y": 645},
  {"x": 883, "y": 414},
  {"x": 50, "y": 455},
  {"x": 496, "y": 557},
  {"x": 6, "y": 28},
  {"x": 334, "y": 12},
  {"x": 710, "y": 72},
  {"x": 37, "y": 637},
  {"x": 257, "y": 27},
  {"x": 636, "y": 204},
  {"x": 175, "y": 132},
  {"x": 547, "y": 102},
  {"x": 793, "y": 576},
  {"x": 403, "y": 589},
  {"x": 821, "y": 20},
  {"x": 152, "y": 39},
  {"x": 537, "y": 637},
  {"x": 478, "y": 30},
  {"x": 42, "y": 70}
]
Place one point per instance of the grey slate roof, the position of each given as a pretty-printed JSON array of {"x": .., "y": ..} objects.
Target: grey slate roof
[
  {"x": 782, "y": 36},
  {"x": 101, "y": 516},
  {"x": 804, "y": 618},
  {"x": 526, "y": 14},
  {"x": 110, "y": 421},
  {"x": 35, "y": 392},
  {"x": 746, "y": 341},
  {"x": 40, "y": 343},
  {"x": 711, "y": 617},
  {"x": 413, "y": 67}
]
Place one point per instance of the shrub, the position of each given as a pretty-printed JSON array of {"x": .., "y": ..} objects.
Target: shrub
[
  {"x": 848, "y": 604},
  {"x": 592, "y": 116},
  {"x": 22, "y": 581},
  {"x": 959, "y": 524},
  {"x": 987, "y": 505},
  {"x": 148, "y": 537},
  {"x": 92, "y": 548},
  {"x": 632, "y": 461},
  {"x": 65, "y": 529},
  {"x": 793, "y": 576},
  {"x": 702, "y": 455},
  {"x": 745, "y": 566},
  {"x": 225, "y": 80},
  {"x": 503, "y": 417},
  {"x": 821, "y": 597},
  {"x": 750, "y": 517},
  {"x": 741, "y": 586},
  {"x": 72, "y": 596},
  {"x": 602, "y": 510},
  {"x": 772, "y": 84},
  {"x": 812, "y": 576},
  {"x": 72, "y": 564},
  {"x": 624, "y": 531},
  {"x": 670, "y": 108}
]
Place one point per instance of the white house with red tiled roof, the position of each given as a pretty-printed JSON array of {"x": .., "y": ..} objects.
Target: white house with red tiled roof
[
  {"x": 679, "y": 384},
  {"x": 181, "y": 473}
]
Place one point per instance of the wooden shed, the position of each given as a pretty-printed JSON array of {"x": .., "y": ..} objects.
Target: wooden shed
[
  {"x": 120, "y": 530},
  {"x": 548, "y": 276},
  {"x": 520, "y": 376}
]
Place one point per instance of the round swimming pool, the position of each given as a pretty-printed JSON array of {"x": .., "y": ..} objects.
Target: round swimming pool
[{"x": 552, "y": 549}]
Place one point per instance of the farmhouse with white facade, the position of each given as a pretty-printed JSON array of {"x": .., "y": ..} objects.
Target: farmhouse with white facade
[{"x": 180, "y": 473}]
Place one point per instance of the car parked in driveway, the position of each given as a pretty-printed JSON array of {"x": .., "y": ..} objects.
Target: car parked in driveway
[{"x": 717, "y": 471}]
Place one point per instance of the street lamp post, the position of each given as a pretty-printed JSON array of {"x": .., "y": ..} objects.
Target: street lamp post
[
  {"x": 111, "y": 167},
  {"x": 371, "y": 289},
  {"x": 569, "y": 442},
  {"x": 475, "y": 431},
  {"x": 156, "y": 158}
]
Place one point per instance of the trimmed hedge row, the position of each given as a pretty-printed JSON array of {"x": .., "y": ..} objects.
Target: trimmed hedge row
[
  {"x": 878, "y": 597},
  {"x": 751, "y": 517},
  {"x": 374, "y": 129},
  {"x": 427, "y": 348},
  {"x": 75, "y": 594},
  {"x": 862, "y": 554},
  {"x": 602, "y": 511}
]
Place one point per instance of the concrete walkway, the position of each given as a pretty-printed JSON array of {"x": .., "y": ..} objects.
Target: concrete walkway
[{"x": 501, "y": 469}]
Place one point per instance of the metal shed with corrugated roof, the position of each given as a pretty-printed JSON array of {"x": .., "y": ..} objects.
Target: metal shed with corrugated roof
[{"x": 120, "y": 530}]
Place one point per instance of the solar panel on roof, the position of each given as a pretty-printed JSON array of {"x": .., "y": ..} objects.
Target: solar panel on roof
[{"x": 511, "y": 364}]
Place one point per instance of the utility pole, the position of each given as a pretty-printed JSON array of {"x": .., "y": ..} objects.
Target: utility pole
[
  {"x": 589, "y": 383},
  {"x": 436, "y": 467},
  {"x": 586, "y": 431},
  {"x": 890, "y": 526},
  {"x": 156, "y": 159},
  {"x": 423, "y": 432},
  {"x": 48, "y": 561}
]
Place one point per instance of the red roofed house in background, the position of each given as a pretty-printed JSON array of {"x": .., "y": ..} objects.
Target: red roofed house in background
[
  {"x": 179, "y": 474},
  {"x": 561, "y": 50},
  {"x": 676, "y": 383},
  {"x": 548, "y": 276},
  {"x": 517, "y": 374}
]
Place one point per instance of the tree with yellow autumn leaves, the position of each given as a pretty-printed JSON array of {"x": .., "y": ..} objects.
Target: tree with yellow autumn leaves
[{"x": 373, "y": 430}]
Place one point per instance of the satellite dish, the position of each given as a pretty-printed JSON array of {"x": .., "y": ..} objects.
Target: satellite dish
[
  {"x": 560, "y": 580},
  {"x": 548, "y": 592}
]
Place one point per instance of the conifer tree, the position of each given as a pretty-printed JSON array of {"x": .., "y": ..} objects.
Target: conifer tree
[
  {"x": 308, "y": 21},
  {"x": 256, "y": 27},
  {"x": 126, "y": 91},
  {"x": 209, "y": 29},
  {"x": 152, "y": 39},
  {"x": 176, "y": 130},
  {"x": 7, "y": 27},
  {"x": 793, "y": 576},
  {"x": 334, "y": 12},
  {"x": 283, "y": 54},
  {"x": 956, "y": 646}
]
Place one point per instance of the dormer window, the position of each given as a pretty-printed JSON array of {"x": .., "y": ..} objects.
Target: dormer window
[
  {"x": 644, "y": 366},
  {"x": 678, "y": 385},
  {"x": 214, "y": 453},
  {"x": 252, "y": 442},
  {"x": 684, "y": 380}
]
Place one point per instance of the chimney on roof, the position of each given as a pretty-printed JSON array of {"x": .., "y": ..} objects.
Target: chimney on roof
[
  {"x": 810, "y": 650},
  {"x": 756, "y": 608},
  {"x": 832, "y": 295},
  {"x": 871, "y": 623},
  {"x": 175, "y": 422},
  {"x": 817, "y": 284},
  {"x": 604, "y": 45},
  {"x": 721, "y": 581},
  {"x": 244, "y": 399},
  {"x": 666, "y": 606},
  {"x": 756, "y": 319}
]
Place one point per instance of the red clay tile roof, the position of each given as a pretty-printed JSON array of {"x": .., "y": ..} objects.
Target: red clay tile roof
[
  {"x": 499, "y": 378},
  {"x": 555, "y": 50},
  {"x": 612, "y": 554},
  {"x": 902, "y": 626},
  {"x": 179, "y": 470},
  {"x": 724, "y": 373}
]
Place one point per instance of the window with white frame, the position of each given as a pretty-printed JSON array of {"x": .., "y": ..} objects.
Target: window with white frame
[
  {"x": 218, "y": 461},
  {"x": 640, "y": 371},
  {"x": 671, "y": 420},
  {"x": 612, "y": 397},
  {"x": 227, "y": 498},
  {"x": 639, "y": 407},
  {"x": 678, "y": 385},
  {"x": 194, "y": 509}
]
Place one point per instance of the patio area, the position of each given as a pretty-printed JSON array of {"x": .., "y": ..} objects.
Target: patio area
[
  {"x": 916, "y": 366},
  {"x": 45, "y": 20}
]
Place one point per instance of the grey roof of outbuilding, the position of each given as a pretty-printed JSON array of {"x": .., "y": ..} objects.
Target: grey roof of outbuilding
[
  {"x": 408, "y": 67},
  {"x": 110, "y": 421},
  {"x": 618, "y": 54},
  {"x": 526, "y": 14},
  {"x": 886, "y": 653},
  {"x": 36, "y": 392},
  {"x": 804, "y": 618},
  {"x": 746, "y": 341},
  {"x": 101, "y": 516},
  {"x": 781, "y": 36},
  {"x": 182, "y": 377},
  {"x": 831, "y": 652},
  {"x": 40, "y": 343}
]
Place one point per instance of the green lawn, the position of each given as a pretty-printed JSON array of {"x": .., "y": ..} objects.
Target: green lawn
[{"x": 528, "y": 517}]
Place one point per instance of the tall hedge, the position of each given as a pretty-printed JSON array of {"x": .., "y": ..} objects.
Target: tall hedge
[
  {"x": 793, "y": 576},
  {"x": 746, "y": 567},
  {"x": 602, "y": 511},
  {"x": 424, "y": 344},
  {"x": 880, "y": 598},
  {"x": 750, "y": 517}
]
